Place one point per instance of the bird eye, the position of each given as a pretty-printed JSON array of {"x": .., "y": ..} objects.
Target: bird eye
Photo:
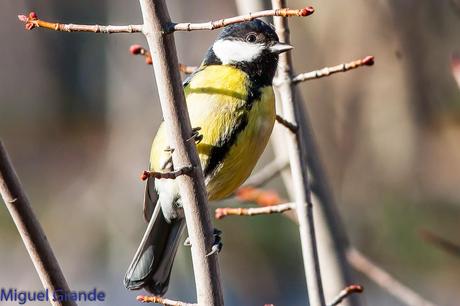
[{"x": 251, "y": 38}]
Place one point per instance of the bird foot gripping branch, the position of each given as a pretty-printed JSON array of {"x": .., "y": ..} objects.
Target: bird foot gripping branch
[{"x": 217, "y": 245}]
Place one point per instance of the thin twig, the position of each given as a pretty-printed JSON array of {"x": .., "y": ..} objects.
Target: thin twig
[
  {"x": 403, "y": 293},
  {"x": 162, "y": 301},
  {"x": 254, "y": 211},
  {"x": 304, "y": 205},
  {"x": 32, "y": 21},
  {"x": 177, "y": 122},
  {"x": 346, "y": 293},
  {"x": 31, "y": 232},
  {"x": 167, "y": 175},
  {"x": 212, "y": 25},
  {"x": 440, "y": 242},
  {"x": 290, "y": 126},
  {"x": 327, "y": 71},
  {"x": 139, "y": 50},
  {"x": 267, "y": 173}
]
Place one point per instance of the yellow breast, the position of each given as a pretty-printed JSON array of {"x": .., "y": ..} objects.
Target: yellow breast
[{"x": 234, "y": 133}]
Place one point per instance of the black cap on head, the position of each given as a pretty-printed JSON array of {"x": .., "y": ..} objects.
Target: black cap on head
[{"x": 264, "y": 33}]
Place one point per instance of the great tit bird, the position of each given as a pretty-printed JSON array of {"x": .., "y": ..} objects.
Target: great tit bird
[{"x": 230, "y": 99}]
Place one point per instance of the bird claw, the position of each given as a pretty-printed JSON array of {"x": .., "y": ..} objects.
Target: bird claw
[
  {"x": 217, "y": 245},
  {"x": 196, "y": 135}
]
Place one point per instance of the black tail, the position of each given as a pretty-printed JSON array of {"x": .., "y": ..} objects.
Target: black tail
[{"x": 152, "y": 264}]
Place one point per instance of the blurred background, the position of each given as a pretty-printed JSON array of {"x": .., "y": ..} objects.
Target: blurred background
[{"x": 78, "y": 113}]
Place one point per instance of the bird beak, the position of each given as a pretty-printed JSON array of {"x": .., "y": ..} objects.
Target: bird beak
[{"x": 280, "y": 47}]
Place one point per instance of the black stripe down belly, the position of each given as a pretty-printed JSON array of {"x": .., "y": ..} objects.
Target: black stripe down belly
[{"x": 220, "y": 150}]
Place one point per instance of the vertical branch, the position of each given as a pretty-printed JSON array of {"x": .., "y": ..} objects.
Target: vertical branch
[
  {"x": 192, "y": 191},
  {"x": 31, "y": 231},
  {"x": 304, "y": 206},
  {"x": 330, "y": 229}
]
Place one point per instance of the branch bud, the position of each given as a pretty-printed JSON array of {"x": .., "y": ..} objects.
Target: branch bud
[{"x": 368, "y": 61}]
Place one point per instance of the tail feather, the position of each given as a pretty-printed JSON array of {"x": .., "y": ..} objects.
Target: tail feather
[{"x": 152, "y": 264}]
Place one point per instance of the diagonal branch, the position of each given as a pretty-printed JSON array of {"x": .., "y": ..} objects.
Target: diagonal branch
[
  {"x": 31, "y": 231},
  {"x": 440, "y": 242},
  {"x": 267, "y": 173},
  {"x": 327, "y": 71},
  {"x": 403, "y": 293},
  {"x": 254, "y": 211},
  {"x": 212, "y": 25}
]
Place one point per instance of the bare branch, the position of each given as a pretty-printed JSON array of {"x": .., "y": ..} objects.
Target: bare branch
[
  {"x": 304, "y": 205},
  {"x": 212, "y": 25},
  {"x": 254, "y": 211},
  {"x": 31, "y": 21},
  {"x": 290, "y": 126},
  {"x": 267, "y": 173},
  {"x": 440, "y": 242},
  {"x": 345, "y": 293},
  {"x": 31, "y": 232},
  {"x": 162, "y": 301},
  {"x": 317, "y": 74},
  {"x": 167, "y": 175},
  {"x": 364, "y": 265},
  {"x": 139, "y": 50},
  {"x": 177, "y": 122}
]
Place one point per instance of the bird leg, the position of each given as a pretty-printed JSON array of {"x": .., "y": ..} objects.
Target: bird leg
[{"x": 217, "y": 245}]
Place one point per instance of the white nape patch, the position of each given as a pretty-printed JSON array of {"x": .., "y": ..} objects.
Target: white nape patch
[{"x": 233, "y": 51}]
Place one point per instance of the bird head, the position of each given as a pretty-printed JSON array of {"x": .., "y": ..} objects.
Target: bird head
[
  {"x": 248, "y": 42},
  {"x": 252, "y": 46}
]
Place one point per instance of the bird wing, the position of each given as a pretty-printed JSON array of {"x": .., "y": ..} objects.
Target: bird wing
[{"x": 150, "y": 199}]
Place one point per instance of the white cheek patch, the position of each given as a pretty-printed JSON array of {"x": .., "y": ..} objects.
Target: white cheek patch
[{"x": 233, "y": 51}]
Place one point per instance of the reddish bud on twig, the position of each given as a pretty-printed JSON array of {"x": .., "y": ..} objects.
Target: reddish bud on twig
[
  {"x": 368, "y": 61},
  {"x": 145, "y": 175},
  {"x": 306, "y": 11},
  {"x": 355, "y": 288},
  {"x": 22, "y": 18},
  {"x": 29, "y": 20},
  {"x": 135, "y": 49},
  {"x": 33, "y": 16},
  {"x": 139, "y": 50},
  {"x": 349, "y": 290}
]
